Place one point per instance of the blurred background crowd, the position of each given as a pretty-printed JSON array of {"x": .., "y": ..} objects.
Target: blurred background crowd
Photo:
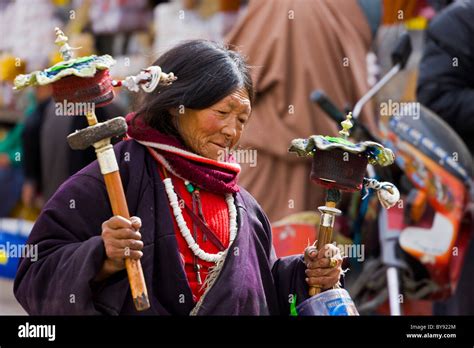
[{"x": 294, "y": 46}]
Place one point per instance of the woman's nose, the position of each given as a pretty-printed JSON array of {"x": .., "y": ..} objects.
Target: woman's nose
[{"x": 230, "y": 131}]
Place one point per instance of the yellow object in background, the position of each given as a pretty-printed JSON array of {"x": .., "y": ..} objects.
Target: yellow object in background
[
  {"x": 55, "y": 58},
  {"x": 11, "y": 66},
  {"x": 21, "y": 211},
  {"x": 84, "y": 42},
  {"x": 417, "y": 23},
  {"x": 397, "y": 11},
  {"x": 61, "y": 3},
  {"x": 3, "y": 257}
]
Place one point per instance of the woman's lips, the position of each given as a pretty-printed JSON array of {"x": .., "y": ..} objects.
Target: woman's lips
[{"x": 220, "y": 145}]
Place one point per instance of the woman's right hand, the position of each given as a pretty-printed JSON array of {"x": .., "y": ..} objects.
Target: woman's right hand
[{"x": 122, "y": 239}]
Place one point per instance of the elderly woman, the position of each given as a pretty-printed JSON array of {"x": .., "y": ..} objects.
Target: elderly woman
[{"x": 220, "y": 261}]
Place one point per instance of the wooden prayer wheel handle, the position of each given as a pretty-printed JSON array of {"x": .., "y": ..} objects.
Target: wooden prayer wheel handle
[
  {"x": 324, "y": 237},
  {"x": 99, "y": 135},
  {"x": 113, "y": 183},
  {"x": 326, "y": 225}
]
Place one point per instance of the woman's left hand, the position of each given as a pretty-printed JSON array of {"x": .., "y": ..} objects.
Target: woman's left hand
[{"x": 323, "y": 267}]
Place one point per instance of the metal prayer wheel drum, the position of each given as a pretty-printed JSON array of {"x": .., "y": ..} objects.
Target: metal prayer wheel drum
[
  {"x": 97, "y": 90},
  {"x": 334, "y": 302},
  {"x": 339, "y": 169},
  {"x": 74, "y": 80},
  {"x": 339, "y": 165}
]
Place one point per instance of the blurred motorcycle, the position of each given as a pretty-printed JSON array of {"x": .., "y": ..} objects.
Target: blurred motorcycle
[{"x": 424, "y": 238}]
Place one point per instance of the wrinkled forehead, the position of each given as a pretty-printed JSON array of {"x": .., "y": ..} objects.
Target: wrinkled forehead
[{"x": 238, "y": 101}]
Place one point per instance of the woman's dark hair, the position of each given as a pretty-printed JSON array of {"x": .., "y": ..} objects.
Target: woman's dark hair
[{"x": 206, "y": 73}]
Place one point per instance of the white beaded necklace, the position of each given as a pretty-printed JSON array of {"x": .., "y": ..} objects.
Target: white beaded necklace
[{"x": 186, "y": 233}]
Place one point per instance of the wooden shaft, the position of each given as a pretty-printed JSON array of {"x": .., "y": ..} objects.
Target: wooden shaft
[
  {"x": 324, "y": 237},
  {"x": 326, "y": 226},
  {"x": 113, "y": 183}
]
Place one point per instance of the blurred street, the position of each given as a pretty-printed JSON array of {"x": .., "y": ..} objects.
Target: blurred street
[{"x": 8, "y": 303}]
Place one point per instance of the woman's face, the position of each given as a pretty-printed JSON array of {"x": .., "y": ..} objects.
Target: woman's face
[{"x": 213, "y": 131}]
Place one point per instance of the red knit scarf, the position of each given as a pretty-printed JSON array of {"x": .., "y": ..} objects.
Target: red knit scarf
[{"x": 214, "y": 176}]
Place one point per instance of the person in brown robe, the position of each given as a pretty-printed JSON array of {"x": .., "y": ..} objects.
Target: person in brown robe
[{"x": 295, "y": 47}]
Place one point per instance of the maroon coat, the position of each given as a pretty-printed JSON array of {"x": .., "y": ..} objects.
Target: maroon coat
[{"x": 71, "y": 252}]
